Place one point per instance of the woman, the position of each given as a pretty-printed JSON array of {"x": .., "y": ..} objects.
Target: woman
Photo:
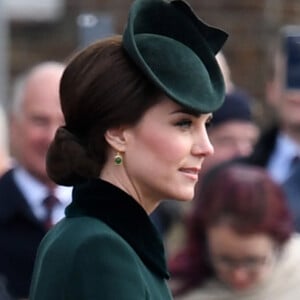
[
  {"x": 135, "y": 111},
  {"x": 239, "y": 240}
]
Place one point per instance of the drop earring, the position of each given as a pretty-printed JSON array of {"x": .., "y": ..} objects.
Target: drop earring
[{"x": 118, "y": 159}]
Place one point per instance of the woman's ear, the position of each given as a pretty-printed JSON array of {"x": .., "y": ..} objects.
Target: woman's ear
[{"x": 115, "y": 137}]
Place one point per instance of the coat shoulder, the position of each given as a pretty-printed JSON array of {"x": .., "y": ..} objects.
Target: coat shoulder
[{"x": 91, "y": 257}]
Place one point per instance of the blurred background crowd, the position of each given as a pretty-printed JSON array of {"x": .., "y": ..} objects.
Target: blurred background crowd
[{"x": 258, "y": 125}]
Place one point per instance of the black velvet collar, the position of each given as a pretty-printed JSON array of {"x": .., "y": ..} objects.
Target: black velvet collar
[{"x": 102, "y": 200}]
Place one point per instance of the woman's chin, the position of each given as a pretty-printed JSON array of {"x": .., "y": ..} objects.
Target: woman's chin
[{"x": 185, "y": 198}]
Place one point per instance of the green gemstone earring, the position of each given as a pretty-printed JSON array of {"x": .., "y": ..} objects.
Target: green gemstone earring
[{"x": 118, "y": 159}]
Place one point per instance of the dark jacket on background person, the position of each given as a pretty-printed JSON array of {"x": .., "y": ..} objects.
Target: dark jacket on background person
[
  {"x": 261, "y": 156},
  {"x": 106, "y": 243},
  {"x": 20, "y": 235},
  {"x": 4, "y": 295}
]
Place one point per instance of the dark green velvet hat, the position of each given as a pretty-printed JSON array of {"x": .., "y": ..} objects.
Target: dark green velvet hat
[{"x": 176, "y": 50}]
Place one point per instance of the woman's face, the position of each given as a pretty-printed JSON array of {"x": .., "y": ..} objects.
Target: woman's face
[
  {"x": 165, "y": 151},
  {"x": 240, "y": 261}
]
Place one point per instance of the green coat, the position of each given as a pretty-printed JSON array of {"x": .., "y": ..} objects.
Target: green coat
[{"x": 106, "y": 248}]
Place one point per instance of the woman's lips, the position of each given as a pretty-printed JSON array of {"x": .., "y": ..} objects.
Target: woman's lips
[{"x": 190, "y": 172}]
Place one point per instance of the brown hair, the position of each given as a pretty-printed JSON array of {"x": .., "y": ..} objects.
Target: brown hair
[{"x": 100, "y": 88}]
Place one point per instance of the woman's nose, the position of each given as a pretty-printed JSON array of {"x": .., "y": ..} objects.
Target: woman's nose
[
  {"x": 239, "y": 276},
  {"x": 202, "y": 145}
]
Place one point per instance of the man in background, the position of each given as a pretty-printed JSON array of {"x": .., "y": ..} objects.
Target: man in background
[
  {"x": 278, "y": 149},
  {"x": 30, "y": 202},
  {"x": 4, "y": 153},
  {"x": 233, "y": 131}
]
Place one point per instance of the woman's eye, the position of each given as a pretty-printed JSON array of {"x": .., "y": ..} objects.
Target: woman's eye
[
  {"x": 184, "y": 123},
  {"x": 208, "y": 123}
]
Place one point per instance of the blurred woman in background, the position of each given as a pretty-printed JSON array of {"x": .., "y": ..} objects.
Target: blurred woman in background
[{"x": 240, "y": 242}]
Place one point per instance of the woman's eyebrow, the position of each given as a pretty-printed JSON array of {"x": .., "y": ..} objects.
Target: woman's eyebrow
[{"x": 187, "y": 111}]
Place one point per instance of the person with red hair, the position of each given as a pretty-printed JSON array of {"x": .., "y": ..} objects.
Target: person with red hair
[{"x": 239, "y": 240}]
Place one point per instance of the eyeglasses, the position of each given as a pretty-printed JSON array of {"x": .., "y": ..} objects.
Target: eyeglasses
[{"x": 250, "y": 263}]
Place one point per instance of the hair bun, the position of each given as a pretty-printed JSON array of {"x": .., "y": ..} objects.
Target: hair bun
[{"x": 67, "y": 160}]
